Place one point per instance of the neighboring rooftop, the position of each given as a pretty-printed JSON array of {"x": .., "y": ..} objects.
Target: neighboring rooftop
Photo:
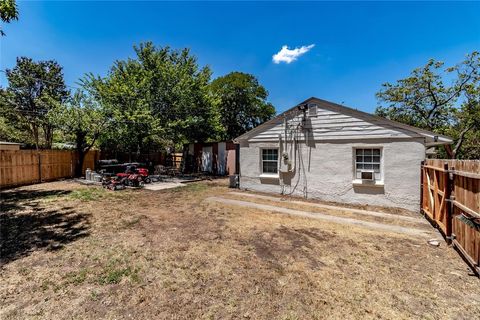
[{"x": 5, "y": 145}]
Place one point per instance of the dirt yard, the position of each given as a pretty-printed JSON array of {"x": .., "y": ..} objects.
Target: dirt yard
[{"x": 75, "y": 252}]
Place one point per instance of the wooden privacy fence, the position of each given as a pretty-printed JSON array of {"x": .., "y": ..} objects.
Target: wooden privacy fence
[
  {"x": 20, "y": 167},
  {"x": 451, "y": 198}
]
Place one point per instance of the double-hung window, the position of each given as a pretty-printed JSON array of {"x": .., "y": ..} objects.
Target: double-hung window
[
  {"x": 270, "y": 161},
  {"x": 368, "y": 163}
]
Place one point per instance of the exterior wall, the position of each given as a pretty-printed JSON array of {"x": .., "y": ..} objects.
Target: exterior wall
[{"x": 325, "y": 171}]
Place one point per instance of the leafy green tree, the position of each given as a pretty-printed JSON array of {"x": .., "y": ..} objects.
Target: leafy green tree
[
  {"x": 122, "y": 94},
  {"x": 426, "y": 100},
  {"x": 466, "y": 125},
  {"x": 8, "y": 12},
  {"x": 10, "y": 131},
  {"x": 83, "y": 120},
  {"x": 159, "y": 98},
  {"x": 34, "y": 88},
  {"x": 242, "y": 103}
]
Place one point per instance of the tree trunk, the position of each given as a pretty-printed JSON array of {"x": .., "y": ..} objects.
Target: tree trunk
[
  {"x": 460, "y": 140},
  {"x": 48, "y": 133},
  {"x": 81, "y": 157},
  {"x": 449, "y": 151},
  {"x": 80, "y": 146},
  {"x": 34, "y": 130}
]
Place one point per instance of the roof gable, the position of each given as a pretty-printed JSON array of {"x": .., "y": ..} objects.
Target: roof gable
[{"x": 335, "y": 122}]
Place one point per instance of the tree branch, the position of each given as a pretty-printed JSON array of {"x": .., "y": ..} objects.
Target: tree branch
[
  {"x": 461, "y": 138},
  {"x": 462, "y": 84}
]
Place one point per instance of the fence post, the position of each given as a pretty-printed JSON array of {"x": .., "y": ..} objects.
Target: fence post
[
  {"x": 39, "y": 166},
  {"x": 448, "y": 205},
  {"x": 421, "y": 185}
]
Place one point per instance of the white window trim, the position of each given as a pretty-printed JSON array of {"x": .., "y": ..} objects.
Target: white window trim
[
  {"x": 360, "y": 182},
  {"x": 269, "y": 175},
  {"x": 366, "y": 183}
]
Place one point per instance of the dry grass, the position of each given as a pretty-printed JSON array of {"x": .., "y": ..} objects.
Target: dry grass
[{"x": 76, "y": 252}]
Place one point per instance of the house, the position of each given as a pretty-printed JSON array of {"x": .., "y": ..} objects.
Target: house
[
  {"x": 327, "y": 151},
  {"x": 9, "y": 145}
]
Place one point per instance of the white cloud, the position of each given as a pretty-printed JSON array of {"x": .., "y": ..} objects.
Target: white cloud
[{"x": 289, "y": 55}]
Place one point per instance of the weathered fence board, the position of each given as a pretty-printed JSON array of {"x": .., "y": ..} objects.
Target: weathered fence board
[
  {"x": 20, "y": 167},
  {"x": 451, "y": 198}
]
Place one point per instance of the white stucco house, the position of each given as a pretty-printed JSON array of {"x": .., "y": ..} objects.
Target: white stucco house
[{"x": 319, "y": 149}]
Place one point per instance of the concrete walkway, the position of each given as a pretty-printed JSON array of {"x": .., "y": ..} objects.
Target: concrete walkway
[
  {"x": 326, "y": 217},
  {"x": 162, "y": 185},
  {"x": 325, "y": 206}
]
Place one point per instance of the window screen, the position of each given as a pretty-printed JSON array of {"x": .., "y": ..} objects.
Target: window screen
[
  {"x": 368, "y": 160},
  {"x": 269, "y": 160}
]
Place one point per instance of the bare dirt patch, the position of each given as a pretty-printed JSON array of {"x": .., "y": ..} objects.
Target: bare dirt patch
[{"x": 71, "y": 251}]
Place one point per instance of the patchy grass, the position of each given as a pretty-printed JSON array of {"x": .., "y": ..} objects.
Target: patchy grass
[
  {"x": 88, "y": 253},
  {"x": 118, "y": 269},
  {"x": 77, "y": 277},
  {"x": 94, "y": 295},
  {"x": 189, "y": 187},
  {"x": 112, "y": 275},
  {"x": 132, "y": 221},
  {"x": 88, "y": 194}
]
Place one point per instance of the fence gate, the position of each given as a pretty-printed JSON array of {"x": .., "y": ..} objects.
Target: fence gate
[{"x": 450, "y": 197}]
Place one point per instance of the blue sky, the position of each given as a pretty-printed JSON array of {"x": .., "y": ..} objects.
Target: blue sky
[{"x": 358, "y": 45}]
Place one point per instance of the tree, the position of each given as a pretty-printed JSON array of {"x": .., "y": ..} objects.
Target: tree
[
  {"x": 425, "y": 100},
  {"x": 83, "y": 119},
  {"x": 123, "y": 94},
  {"x": 10, "y": 131},
  {"x": 8, "y": 12},
  {"x": 159, "y": 98},
  {"x": 242, "y": 104},
  {"x": 466, "y": 126},
  {"x": 34, "y": 88}
]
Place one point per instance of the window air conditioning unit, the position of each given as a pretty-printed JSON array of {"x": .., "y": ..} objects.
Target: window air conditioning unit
[
  {"x": 312, "y": 109},
  {"x": 368, "y": 175}
]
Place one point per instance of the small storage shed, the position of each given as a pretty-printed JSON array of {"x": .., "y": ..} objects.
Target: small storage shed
[
  {"x": 217, "y": 158},
  {"x": 319, "y": 149}
]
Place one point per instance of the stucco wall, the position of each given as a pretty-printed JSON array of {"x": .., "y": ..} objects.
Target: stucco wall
[{"x": 327, "y": 172}]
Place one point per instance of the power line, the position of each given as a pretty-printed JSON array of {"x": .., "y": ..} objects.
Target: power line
[{"x": 43, "y": 80}]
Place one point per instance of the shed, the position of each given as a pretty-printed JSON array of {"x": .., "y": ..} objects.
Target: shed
[
  {"x": 323, "y": 150},
  {"x": 9, "y": 145},
  {"x": 217, "y": 158}
]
